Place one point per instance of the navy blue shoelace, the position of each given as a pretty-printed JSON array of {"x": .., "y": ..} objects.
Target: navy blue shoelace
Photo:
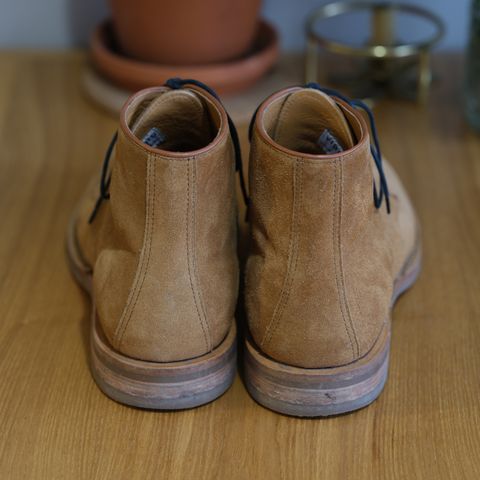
[
  {"x": 378, "y": 192},
  {"x": 105, "y": 179},
  {"x": 174, "y": 84}
]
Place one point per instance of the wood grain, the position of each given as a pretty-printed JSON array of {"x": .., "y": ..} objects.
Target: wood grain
[{"x": 56, "y": 424}]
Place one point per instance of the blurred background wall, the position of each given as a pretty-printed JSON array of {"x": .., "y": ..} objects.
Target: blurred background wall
[{"x": 68, "y": 23}]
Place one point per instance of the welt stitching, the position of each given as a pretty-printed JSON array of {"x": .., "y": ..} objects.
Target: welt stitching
[
  {"x": 279, "y": 306},
  {"x": 194, "y": 255},
  {"x": 334, "y": 244},
  {"x": 148, "y": 234},
  {"x": 340, "y": 261},
  {"x": 294, "y": 253},
  {"x": 187, "y": 237}
]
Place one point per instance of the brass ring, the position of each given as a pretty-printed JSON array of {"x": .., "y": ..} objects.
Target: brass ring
[{"x": 377, "y": 51}]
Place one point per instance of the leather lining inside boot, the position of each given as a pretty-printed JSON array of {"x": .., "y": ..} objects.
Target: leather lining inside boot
[
  {"x": 186, "y": 120},
  {"x": 297, "y": 120}
]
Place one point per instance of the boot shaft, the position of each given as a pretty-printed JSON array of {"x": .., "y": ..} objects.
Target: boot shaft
[
  {"x": 319, "y": 277},
  {"x": 165, "y": 272}
]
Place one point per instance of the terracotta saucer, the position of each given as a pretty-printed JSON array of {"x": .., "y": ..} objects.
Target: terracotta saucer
[{"x": 225, "y": 78}]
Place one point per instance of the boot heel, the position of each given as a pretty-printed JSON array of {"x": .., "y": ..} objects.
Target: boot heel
[
  {"x": 163, "y": 386},
  {"x": 310, "y": 392}
]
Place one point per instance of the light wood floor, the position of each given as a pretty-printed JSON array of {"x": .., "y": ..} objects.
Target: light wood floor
[{"x": 56, "y": 424}]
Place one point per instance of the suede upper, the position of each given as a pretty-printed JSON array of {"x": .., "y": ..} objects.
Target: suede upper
[
  {"x": 162, "y": 248},
  {"x": 323, "y": 259}
]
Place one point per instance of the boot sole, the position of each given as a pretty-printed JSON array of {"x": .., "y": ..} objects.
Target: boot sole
[
  {"x": 153, "y": 385},
  {"x": 311, "y": 392}
]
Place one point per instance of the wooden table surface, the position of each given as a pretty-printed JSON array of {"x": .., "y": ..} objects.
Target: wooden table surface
[{"x": 56, "y": 424}]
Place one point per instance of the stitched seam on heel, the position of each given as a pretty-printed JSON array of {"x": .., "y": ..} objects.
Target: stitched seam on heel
[
  {"x": 342, "y": 270},
  {"x": 145, "y": 253},
  {"x": 292, "y": 255},
  {"x": 194, "y": 256},
  {"x": 337, "y": 257},
  {"x": 191, "y": 261}
]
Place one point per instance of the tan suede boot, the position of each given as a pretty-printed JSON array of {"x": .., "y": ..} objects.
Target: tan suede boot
[
  {"x": 327, "y": 260},
  {"x": 157, "y": 251}
]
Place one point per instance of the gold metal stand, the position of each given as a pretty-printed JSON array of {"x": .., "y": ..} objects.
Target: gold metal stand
[{"x": 383, "y": 51}]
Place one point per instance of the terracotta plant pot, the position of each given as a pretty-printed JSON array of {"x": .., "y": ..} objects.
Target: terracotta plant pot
[
  {"x": 176, "y": 32},
  {"x": 225, "y": 77}
]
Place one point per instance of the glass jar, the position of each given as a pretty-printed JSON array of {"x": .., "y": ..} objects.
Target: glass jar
[{"x": 472, "y": 78}]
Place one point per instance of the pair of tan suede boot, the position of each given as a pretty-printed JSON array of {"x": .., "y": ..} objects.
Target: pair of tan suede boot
[{"x": 333, "y": 242}]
